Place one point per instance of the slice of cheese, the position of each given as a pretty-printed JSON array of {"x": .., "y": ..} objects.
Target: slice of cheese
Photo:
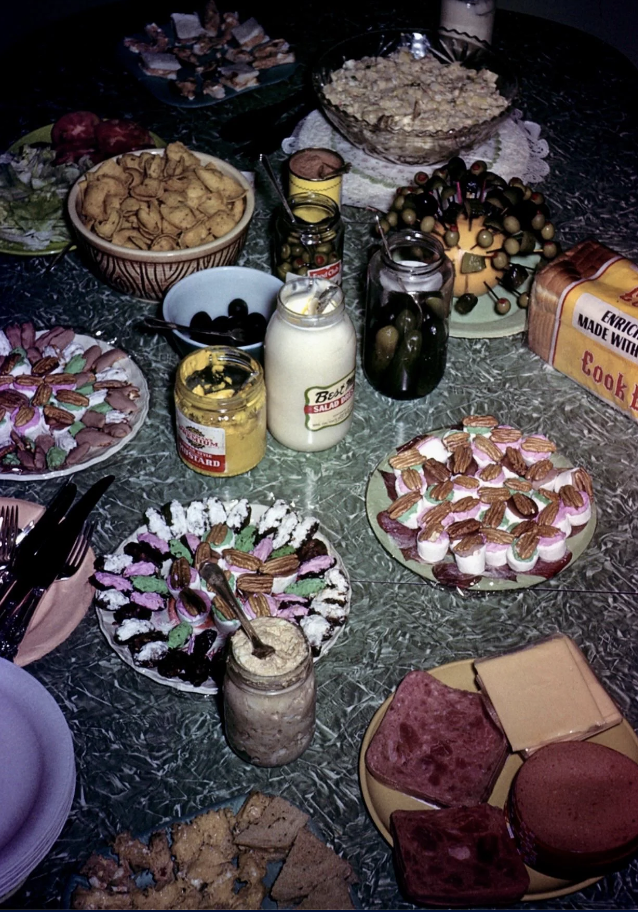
[{"x": 546, "y": 692}]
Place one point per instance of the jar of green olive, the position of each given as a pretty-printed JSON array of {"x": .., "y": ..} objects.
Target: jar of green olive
[
  {"x": 312, "y": 244},
  {"x": 408, "y": 295}
]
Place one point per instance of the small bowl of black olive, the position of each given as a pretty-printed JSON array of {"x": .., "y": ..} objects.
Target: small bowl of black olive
[{"x": 225, "y": 305}]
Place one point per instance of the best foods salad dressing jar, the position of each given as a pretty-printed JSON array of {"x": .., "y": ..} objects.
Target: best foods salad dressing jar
[
  {"x": 269, "y": 704},
  {"x": 409, "y": 290},
  {"x": 220, "y": 405},
  {"x": 309, "y": 359}
]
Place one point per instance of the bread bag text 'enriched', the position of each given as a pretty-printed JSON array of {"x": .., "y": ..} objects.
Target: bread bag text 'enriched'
[{"x": 583, "y": 320}]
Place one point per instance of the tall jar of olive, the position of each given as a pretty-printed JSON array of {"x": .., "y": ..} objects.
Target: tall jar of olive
[
  {"x": 312, "y": 244},
  {"x": 408, "y": 296}
]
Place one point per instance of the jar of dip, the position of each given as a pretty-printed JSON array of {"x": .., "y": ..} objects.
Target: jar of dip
[
  {"x": 269, "y": 704},
  {"x": 309, "y": 359},
  {"x": 408, "y": 295},
  {"x": 314, "y": 169},
  {"x": 312, "y": 245},
  {"x": 220, "y": 405},
  {"x": 470, "y": 17}
]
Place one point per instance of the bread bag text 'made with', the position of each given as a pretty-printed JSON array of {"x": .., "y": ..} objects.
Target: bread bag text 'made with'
[{"x": 583, "y": 320}]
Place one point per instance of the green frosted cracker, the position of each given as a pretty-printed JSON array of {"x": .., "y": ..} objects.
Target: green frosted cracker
[
  {"x": 306, "y": 587},
  {"x": 179, "y": 635},
  {"x": 86, "y": 390},
  {"x": 11, "y": 460},
  {"x": 75, "y": 365},
  {"x": 149, "y": 584},
  {"x": 245, "y": 540},
  {"x": 179, "y": 550},
  {"x": 75, "y": 428},
  {"x": 102, "y": 407},
  {"x": 56, "y": 457},
  {"x": 282, "y": 552}
]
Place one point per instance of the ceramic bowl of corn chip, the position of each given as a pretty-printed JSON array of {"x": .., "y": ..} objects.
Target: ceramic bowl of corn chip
[{"x": 144, "y": 220}]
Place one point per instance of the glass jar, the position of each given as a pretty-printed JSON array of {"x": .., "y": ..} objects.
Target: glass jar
[
  {"x": 312, "y": 245},
  {"x": 310, "y": 353},
  {"x": 269, "y": 704},
  {"x": 407, "y": 315},
  {"x": 470, "y": 17},
  {"x": 220, "y": 405}
]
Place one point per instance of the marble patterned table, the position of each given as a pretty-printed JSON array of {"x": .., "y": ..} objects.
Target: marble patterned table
[{"x": 146, "y": 753}]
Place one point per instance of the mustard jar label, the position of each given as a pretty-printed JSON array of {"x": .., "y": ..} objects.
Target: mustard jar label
[
  {"x": 200, "y": 446},
  {"x": 327, "y": 406}
]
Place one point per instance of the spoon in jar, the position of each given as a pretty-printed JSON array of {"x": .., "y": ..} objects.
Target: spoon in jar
[
  {"x": 158, "y": 325},
  {"x": 214, "y": 576}
]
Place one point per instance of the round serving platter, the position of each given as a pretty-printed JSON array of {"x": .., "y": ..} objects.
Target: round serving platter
[
  {"x": 381, "y": 801},
  {"x": 378, "y": 500}
]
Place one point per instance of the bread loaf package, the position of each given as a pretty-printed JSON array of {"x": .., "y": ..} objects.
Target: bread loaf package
[{"x": 583, "y": 320}]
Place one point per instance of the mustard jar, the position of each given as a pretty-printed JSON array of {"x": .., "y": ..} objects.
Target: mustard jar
[{"x": 220, "y": 405}]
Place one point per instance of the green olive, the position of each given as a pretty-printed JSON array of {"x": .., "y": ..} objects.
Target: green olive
[
  {"x": 527, "y": 193},
  {"x": 296, "y": 250},
  {"x": 451, "y": 238},
  {"x": 421, "y": 177},
  {"x": 399, "y": 202},
  {"x": 516, "y": 182},
  {"x": 523, "y": 300},
  {"x": 503, "y": 306},
  {"x": 478, "y": 167},
  {"x": 537, "y": 198},
  {"x": 283, "y": 269},
  {"x": 511, "y": 224},
  {"x": 323, "y": 248},
  {"x": 548, "y": 231},
  {"x": 408, "y": 216},
  {"x": 383, "y": 226},
  {"x": 538, "y": 221},
  {"x": 305, "y": 256},
  {"x": 302, "y": 271},
  {"x": 427, "y": 223},
  {"x": 500, "y": 260},
  {"x": 511, "y": 246},
  {"x": 285, "y": 251},
  {"x": 392, "y": 218},
  {"x": 385, "y": 344},
  {"x": 550, "y": 249},
  {"x": 484, "y": 238}
]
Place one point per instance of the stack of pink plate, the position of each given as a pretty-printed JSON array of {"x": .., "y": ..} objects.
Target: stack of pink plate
[{"x": 37, "y": 774}]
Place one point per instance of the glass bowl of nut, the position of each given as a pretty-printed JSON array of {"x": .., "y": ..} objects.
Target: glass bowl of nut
[{"x": 414, "y": 97}]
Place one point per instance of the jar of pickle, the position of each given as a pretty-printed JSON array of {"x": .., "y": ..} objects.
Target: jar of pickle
[
  {"x": 312, "y": 244},
  {"x": 408, "y": 295},
  {"x": 220, "y": 406}
]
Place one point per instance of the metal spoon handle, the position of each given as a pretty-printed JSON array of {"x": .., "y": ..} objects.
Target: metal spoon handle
[
  {"x": 271, "y": 174},
  {"x": 214, "y": 575},
  {"x": 158, "y": 325}
]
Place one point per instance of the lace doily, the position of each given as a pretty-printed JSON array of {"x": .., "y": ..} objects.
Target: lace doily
[{"x": 516, "y": 149}]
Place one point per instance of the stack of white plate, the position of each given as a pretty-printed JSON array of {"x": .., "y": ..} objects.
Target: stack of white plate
[{"x": 37, "y": 774}]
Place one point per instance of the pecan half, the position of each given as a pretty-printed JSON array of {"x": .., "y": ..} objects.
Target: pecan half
[
  {"x": 281, "y": 566},
  {"x": 461, "y": 459},
  {"x": 519, "y": 484},
  {"x": 535, "y": 444},
  {"x": 582, "y": 481},
  {"x": 497, "y": 536},
  {"x": 490, "y": 472},
  {"x": 492, "y": 495},
  {"x": 406, "y": 459},
  {"x": 503, "y": 434},
  {"x": 571, "y": 497},
  {"x": 9, "y": 362},
  {"x": 485, "y": 445},
  {"x": 217, "y": 534},
  {"x": 61, "y": 379},
  {"x": 467, "y": 481},
  {"x": 45, "y": 366},
  {"x": 180, "y": 575},
  {"x": 223, "y": 608},
  {"x": 12, "y": 399},
  {"x": 402, "y": 504},
  {"x": 242, "y": 559},
  {"x": 547, "y": 530},
  {"x": 523, "y": 505},
  {"x": 259, "y": 605},
  {"x": 464, "y": 527},
  {"x": 526, "y": 544},
  {"x": 527, "y": 525},
  {"x": 494, "y": 516},
  {"x": 411, "y": 479},
  {"x": 514, "y": 461},
  {"x": 255, "y": 582},
  {"x": 465, "y": 504},
  {"x": 27, "y": 380},
  {"x": 23, "y": 416},
  {"x": 436, "y": 470},
  {"x": 437, "y": 514},
  {"x": 70, "y": 397},
  {"x": 539, "y": 470},
  {"x": 468, "y": 544},
  {"x": 203, "y": 554},
  {"x": 59, "y": 416},
  {"x": 442, "y": 490},
  {"x": 456, "y": 439},
  {"x": 482, "y": 421},
  {"x": 548, "y": 514}
]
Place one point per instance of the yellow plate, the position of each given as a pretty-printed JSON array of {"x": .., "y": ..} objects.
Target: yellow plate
[{"x": 381, "y": 800}]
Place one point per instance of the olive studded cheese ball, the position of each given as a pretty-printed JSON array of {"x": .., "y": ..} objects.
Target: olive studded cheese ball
[{"x": 483, "y": 222}]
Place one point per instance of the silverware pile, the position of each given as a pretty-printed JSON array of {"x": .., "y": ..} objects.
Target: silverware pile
[{"x": 32, "y": 559}]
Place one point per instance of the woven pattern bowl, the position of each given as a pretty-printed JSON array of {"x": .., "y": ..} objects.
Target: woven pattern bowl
[
  {"x": 421, "y": 146},
  {"x": 148, "y": 274}
]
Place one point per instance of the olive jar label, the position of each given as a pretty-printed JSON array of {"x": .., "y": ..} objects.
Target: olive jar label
[
  {"x": 200, "y": 446},
  {"x": 327, "y": 406}
]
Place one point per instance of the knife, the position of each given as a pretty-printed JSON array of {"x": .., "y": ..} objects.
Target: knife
[
  {"x": 27, "y": 551},
  {"x": 50, "y": 559}
]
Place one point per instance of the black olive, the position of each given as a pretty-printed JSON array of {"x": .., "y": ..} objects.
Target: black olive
[
  {"x": 514, "y": 277},
  {"x": 465, "y": 303},
  {"x": 255, "y": 328},
  {"x": 220, "y": 324},
  {"x": 201, "y": 320},
  {"x": 456, "y": 168},
  {"x": 237, "y": 308}
]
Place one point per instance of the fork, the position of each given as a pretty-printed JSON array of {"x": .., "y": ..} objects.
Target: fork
[
  {"x": 8, "y": 535},
  {"x": 14, "y": 627}
]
